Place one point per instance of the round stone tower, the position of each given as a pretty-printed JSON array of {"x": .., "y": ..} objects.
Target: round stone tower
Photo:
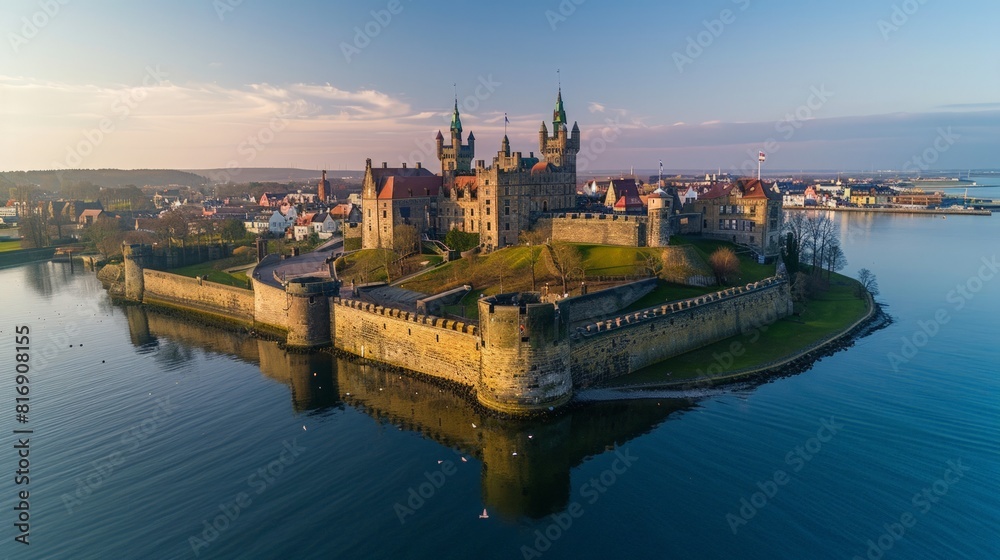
[
  {"x": 135, "y": 260},
  {"x": 525, "y": 356},
  {"x": 308, "y": 302}
]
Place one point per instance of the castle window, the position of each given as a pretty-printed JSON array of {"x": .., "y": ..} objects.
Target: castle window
[
  {"x": 383, "y": 214},
  {"x": 506, "y": 226},
  {"x": 488, "y": 226},
  {"x": 487, "y": 209},
  {"x": 506, "y": 191}
]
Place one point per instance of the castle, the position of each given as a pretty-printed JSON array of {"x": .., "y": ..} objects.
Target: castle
[
  {"x": 495, "y": 202},
  {"x": 525, "y": 355}
]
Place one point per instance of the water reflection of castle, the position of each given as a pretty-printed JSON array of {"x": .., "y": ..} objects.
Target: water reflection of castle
[{"x": 534, "y": 482}]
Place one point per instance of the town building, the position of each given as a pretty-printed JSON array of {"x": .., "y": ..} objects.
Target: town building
[{"x": 746, "y": 212}]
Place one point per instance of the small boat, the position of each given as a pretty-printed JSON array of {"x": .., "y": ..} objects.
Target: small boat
[{"x": 484, "y": 515}]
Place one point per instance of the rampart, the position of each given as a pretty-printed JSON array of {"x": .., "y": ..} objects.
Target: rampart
[
  {"x": 630, "y": 342},
  {"x": 603, "y": 229},
  {"x": 430, "y": 345},
  {"x": 604, "y": 302},
  {"x": 222, "y": 301},
  {"x": 525, "y": 355}
]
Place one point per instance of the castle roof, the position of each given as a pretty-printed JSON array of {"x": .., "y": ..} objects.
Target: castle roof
[
  {"x": 397, "y": 187},
  {"x": 542, "y": 167}
]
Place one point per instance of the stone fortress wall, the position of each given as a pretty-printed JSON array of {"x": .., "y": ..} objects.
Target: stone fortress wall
[{"x": 526, "y": 355}]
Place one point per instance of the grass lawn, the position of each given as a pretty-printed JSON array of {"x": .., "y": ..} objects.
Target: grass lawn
[
  {"x": 363, "y": 267},
  {"x": 484, "y": 272},
  {"x": 667, "y": 291},
  {"x": 219, "y": 277},
  {"x": 9, "y": 246},
  {"x": 606, "y": 260},
  {"x": 831, "y": 312},
  {"x": 750, "y": 270}
]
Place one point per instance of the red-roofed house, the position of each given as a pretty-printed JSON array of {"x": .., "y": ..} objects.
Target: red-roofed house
[
  {"x": 619, "y": 188},
  {"x": 747, "y": 212},
  {"x": 393, "y": 196}
]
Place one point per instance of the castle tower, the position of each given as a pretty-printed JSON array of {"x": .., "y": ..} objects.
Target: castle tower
[
  {"x": 309, "y": 317},
  {"x": 525, "y": 357},
  {"x": 456, "y": 156},
  {"x": 135, "y": 257},
  {"x": 658, "y": 210},
  {"x": 561, "y": 148}
]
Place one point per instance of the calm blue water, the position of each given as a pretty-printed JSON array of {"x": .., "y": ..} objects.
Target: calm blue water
[{"x": 193, "y": 418}]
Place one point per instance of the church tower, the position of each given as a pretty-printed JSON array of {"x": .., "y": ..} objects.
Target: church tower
[
  {"x": 561, "y": 148},
  {"x": 456, "y": 157}
]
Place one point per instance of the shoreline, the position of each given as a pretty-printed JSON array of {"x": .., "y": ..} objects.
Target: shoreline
[
  {"x": 924, "y": 211},
  {"x": 799, "y": 361}
]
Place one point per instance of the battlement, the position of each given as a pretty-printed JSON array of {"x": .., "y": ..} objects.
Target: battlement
[
  {"x": 681, "y": 306},
  {"x": 427, "y": 320}
]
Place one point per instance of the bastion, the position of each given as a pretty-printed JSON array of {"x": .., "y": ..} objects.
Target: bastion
[{"x": 526, "y": 355}]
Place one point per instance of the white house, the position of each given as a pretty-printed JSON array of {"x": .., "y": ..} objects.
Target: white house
[
  {"x": 323, "y": 222},
  {"x": 280, "y": 221}
]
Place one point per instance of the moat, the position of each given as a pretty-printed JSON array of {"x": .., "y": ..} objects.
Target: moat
[{"x": 674, "y": 464}]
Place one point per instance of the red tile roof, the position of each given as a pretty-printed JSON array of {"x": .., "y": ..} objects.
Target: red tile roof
[{"x": 397, "y": 187}]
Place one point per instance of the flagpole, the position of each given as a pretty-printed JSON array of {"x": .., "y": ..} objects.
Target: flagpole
[{"x": 758, "y": 165}]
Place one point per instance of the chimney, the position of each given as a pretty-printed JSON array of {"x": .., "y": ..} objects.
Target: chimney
[
  {"x": 385, "y": 165},
  {"x": 404, "y": 165},
  {"x": 419, "y": 165}
]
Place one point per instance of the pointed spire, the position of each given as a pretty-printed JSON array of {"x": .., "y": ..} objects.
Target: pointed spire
[
  {"x": 559, "y": 114},
  {"x": 456, "y": 122}
]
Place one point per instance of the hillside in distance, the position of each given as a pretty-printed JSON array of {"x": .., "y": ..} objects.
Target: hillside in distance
[
  {"x": 55, "y": 179},
  {"x": 271, "y": 174}
]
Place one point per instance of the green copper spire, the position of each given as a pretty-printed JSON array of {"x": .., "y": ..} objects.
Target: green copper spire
[
  {"x": 559, "y": 115},
  {"x": 456, "y": 122}
]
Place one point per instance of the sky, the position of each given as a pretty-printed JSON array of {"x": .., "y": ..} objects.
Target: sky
[{"x": 192, "y": 84}]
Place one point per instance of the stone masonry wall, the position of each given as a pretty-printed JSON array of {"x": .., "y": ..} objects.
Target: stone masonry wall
[
  {"x": 226, "y": 301},
  {"x": 602, "y": 229},
  {"x": 440, "y": 347},
  {"x": 629, "y": 343},
  {"x": 271, "y": 305},
  {"x": 605, "y": 302}
]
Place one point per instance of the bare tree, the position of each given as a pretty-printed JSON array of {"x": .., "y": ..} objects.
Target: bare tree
[
  {"x": 725, "y": 264},
  {"x": 533, "y": 239},
  {"x": 835, "y": 259},
  {"x": 567, "y": 260},
  {"x": 868, "y": 283},
  {"x": 405, "y": 240},
  {"x": 653, "y": 263}
]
